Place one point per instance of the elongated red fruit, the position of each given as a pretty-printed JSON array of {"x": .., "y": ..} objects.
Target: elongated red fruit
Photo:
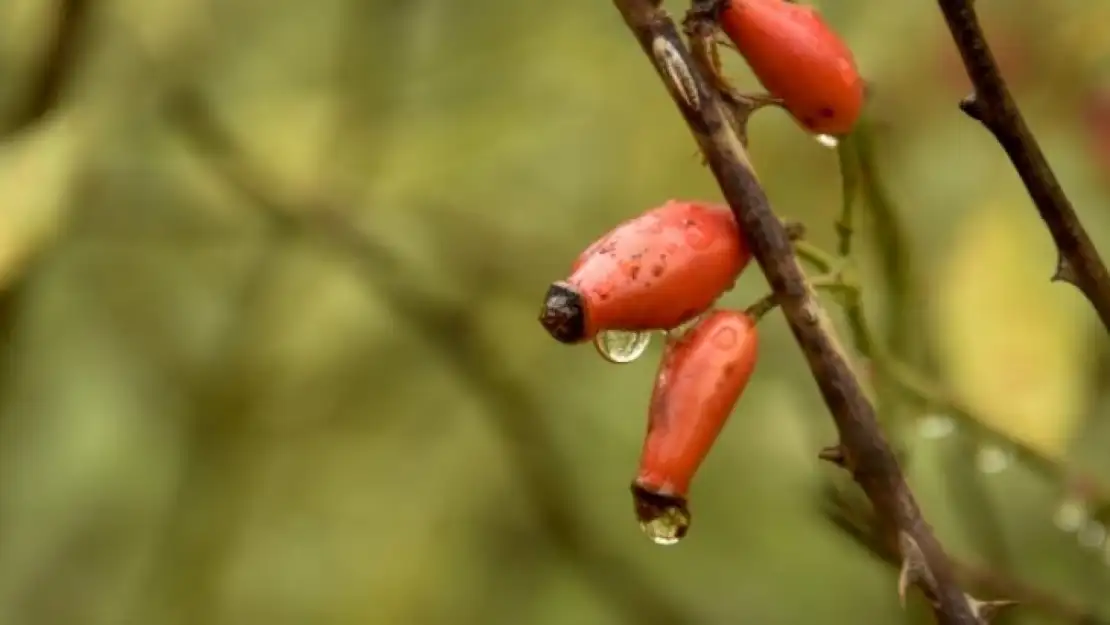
[
  {"x": 798, "y": 58},
  {"x": 699, "y": 382},
  {"x": 653, "y": 272}
]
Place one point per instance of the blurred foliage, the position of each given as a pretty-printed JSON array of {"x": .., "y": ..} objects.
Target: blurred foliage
[{"x": 211, "y": 416}]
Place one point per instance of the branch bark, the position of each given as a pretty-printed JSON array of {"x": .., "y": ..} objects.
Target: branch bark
[
  {"x": 992, "y": 105},
  {"x": 862, "y": 449}
]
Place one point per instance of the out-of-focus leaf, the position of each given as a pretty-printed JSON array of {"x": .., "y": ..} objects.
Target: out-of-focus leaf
[
  {"x": 36, "y": 175},
  {"x": 1011, "y": 341}
]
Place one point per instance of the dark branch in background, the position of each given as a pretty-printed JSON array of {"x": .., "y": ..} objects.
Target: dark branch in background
[
  {"x": 856, "y": 521},
  {"x": 862, "y": 448},
  {"x": 993, "y": 106},
  {"x": 56, "y": 67},
  {"x": 448, "y": 327}
]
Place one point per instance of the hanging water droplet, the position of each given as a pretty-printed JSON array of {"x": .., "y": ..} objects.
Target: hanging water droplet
[
  {"x": 828, "y": 141},
  {"x": 665, "y": 519},
  {"x": 1070, "y": 516},
  {"x": 621, "y": 347},
  {"x": 681, "y": 329},
  {"x": 991, "y": 459},
  {"x": 665, "y": 530},
  {"x": 1093, "y": 535},
  {"x": 936, "y": 426}
]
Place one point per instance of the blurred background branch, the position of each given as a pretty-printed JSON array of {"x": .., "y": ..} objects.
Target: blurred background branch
[
  {"x": 992, "y": 105},
  {"x": 448, "y": 327}
]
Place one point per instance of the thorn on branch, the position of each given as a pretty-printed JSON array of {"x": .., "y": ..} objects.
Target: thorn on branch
[
  {"x": 1065, "y": 271},
  {"x": 986, "y": 611},
  {"x": 915, "y": 569},
  {"x": 972, "y": 106},
  {"x": 834, "y": 454},
  {"x": 670, "y": 62}
]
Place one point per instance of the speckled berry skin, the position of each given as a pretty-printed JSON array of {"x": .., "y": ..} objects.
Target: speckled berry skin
[
  {"x": 700, "y": 379},
  {"x": 798, "y": 58},
  {"x": 655, "y": 271}
]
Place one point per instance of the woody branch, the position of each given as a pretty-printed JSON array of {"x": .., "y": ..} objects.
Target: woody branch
[
  {"x": 862, "y": 448},
  {"x": 992, "y": 105}
]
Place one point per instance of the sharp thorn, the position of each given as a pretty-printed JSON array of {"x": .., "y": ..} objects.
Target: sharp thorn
[
  {"x": 915, "y": 569},
  {"x": 973, "y": 108},
  {"x": 986, "y": 611},
  {"x": 834, "y": 454},
  {"x": 1065, "y": 272}
]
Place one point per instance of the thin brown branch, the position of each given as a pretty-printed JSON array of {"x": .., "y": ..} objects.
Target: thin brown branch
[
  {"x": 57, "y": 65},
  {"x": 992, "y": 105},
  {"x": 867, "y": 455}
]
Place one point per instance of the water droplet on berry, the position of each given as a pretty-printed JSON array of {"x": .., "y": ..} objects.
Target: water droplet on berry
[
  {"x": 665, "y": 530},
  {"x": 620, "y": 346},
  {"x": 828, "y": 141}
]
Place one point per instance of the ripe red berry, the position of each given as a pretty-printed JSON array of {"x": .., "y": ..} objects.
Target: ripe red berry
[
  {"x": 653, "y": 272},
  {"x": 799, "y": 59},
  {"x": 699, "y": 382}
]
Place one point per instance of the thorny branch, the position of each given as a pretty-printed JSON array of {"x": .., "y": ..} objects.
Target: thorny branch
[
  {"x": 447, "y": 327},
  {"x": 862, "y": 449},
  {"x": 992, "y": 105}
]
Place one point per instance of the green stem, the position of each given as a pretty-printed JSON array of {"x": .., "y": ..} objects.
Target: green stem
[
  {"x": 849, "y": 186},
  {"x": 819, "y": 258}
]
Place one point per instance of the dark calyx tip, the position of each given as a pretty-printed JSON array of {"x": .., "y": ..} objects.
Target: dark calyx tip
[
  {"x": 651, "y": 505},
  {"x": 564, "y": 314}
]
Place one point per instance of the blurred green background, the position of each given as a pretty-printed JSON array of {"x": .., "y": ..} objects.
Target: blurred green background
[{"x": 293, "y": 374}]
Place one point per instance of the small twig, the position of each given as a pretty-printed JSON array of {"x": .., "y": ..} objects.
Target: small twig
[
  {"x": 994, "y": 107},
  {"x": 871, "y": 461},
  {"x": 849, "y": 186},
  {"x": 62, "y": 53}
]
